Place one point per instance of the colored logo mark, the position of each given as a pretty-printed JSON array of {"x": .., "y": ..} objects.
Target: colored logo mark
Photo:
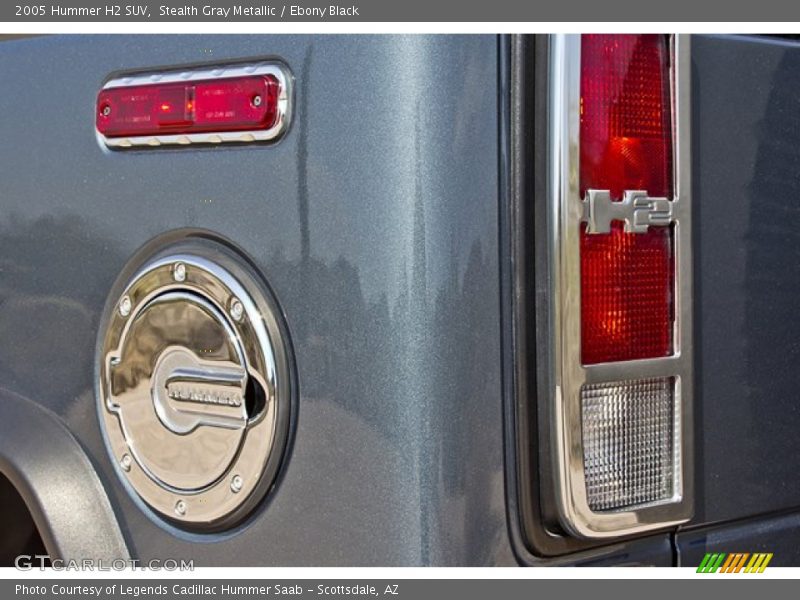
[{"x": 735, "y": 562}]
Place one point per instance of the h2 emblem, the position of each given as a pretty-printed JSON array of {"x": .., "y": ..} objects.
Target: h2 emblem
[{"x": 637, "y": 210}]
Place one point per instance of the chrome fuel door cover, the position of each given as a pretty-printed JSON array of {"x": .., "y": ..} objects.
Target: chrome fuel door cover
[{"x": 194, "y": 386}]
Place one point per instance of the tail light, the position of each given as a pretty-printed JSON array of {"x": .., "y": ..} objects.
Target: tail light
[
  {"x": 620, "y": 251},
  {"x": 240, "y": 103},
  {"x": 625, "y": 144}
]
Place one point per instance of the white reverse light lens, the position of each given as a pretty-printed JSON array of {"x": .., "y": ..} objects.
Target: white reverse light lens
[{"x": 629, "y": 443}]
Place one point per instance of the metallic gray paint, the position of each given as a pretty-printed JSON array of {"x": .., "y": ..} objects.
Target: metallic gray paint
[
  {"x": 777, "y": 534},
  {"x": 375, "y": 222},
  {"x": 747, "y": 275},
  {"x": 55, "y": 478}
]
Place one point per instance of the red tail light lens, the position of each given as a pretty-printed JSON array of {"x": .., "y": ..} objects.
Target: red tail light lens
[
  {"x": 626, "y": 144},
  {"x": 234, "y": 104},
  {"x": 626, "y": 295},
  {"x": 626, "y": 117}
]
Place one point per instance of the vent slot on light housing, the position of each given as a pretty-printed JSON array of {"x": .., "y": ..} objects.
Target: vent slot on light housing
[{"x": 619, "y": 251}]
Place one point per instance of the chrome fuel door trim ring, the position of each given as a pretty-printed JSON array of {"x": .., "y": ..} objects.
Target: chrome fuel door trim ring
[{"x": 194, "y": 386}]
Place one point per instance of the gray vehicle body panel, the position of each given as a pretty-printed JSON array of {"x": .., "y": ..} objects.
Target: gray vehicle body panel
[
  {"x": 380, "y": 222},
  {"x": 374, "y": 220},
  {"x": 748, "y": 275}
]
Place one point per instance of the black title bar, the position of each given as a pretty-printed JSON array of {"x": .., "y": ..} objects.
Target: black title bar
[{"x": 400, "y": 11}]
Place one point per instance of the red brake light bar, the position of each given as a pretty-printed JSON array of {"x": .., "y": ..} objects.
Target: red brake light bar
[
  {"x": 232, "y": 105},
  {"x": 239, "y": 104}
]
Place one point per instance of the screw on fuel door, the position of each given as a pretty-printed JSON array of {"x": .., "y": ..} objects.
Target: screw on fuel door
[{"x": 194, "y": 384}]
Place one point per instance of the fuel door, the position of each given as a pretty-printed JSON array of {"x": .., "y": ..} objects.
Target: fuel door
[{"x": 194, "y": 386}]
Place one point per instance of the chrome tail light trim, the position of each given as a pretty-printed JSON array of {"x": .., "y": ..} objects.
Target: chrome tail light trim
[{"x": 566, "y": 211}]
